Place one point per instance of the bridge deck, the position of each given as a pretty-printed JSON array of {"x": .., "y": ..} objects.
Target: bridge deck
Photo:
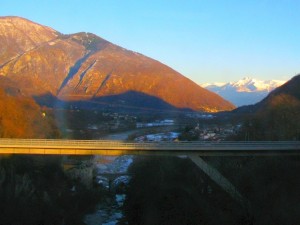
[{"x": 103, "y": 147}]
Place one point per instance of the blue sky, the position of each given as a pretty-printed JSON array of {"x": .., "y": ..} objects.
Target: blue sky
[{"x": 205, "y": 40}]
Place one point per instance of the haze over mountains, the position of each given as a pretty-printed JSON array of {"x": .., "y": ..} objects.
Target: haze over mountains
[
  {"x": 246, "y": 91},
  {"x": 43, "y": 62}
]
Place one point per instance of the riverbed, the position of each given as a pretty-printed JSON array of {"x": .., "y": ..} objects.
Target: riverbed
[{"x": 110, "y": 212}]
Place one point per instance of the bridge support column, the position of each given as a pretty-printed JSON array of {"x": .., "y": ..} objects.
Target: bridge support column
[{"x": 219, "y": 179}]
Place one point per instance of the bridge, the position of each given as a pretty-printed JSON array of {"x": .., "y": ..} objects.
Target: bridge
[
  {"x": 194, "y": 150},
  {"x": 104, "y": 147}
]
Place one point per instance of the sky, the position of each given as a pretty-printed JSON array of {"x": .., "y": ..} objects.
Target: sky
[{"x": 205, "y": 40}]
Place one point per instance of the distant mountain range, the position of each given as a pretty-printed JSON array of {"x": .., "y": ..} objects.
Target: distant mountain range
[
  {"x": 47, "y": 65},
  {"x": 246, "y": 91}
]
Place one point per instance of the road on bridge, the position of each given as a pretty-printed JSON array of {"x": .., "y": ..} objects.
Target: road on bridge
[{"x": 102, "y": 147}]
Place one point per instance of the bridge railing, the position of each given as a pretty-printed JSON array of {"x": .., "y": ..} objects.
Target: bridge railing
[{"x": 164, "y": 145}]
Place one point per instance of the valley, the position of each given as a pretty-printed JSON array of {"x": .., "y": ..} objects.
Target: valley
[
  {"x": 80, "y": 86},
  {"x": 86, "y": 87}
]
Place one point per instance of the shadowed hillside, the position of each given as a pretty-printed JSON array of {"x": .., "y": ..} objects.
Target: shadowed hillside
[{"x": 277, "y": 117}]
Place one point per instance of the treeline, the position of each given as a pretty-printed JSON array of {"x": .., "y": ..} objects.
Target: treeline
[
  {"x": 21, "y": 117},
  {"x": 172, "y": 190},
  {"x": 270, "y": 183},
  {"x": 36, "y": 191},
  {"x": 277, "y": 120}
]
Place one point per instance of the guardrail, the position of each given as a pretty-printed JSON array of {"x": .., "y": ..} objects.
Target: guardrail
[
  {"x": 68, "y": 142},
  {"x": 146, "y": 146}
]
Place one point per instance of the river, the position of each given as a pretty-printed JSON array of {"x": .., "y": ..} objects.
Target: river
[{"x": 109, "y": 212}]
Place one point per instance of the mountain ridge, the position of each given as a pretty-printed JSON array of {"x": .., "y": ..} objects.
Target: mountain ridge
[
  {"x": 246, "y": 91},
  {"x": 24, "y": 36}
]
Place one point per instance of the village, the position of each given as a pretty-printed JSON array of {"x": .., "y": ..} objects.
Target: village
[
  {"x": 209, "y": 133},
  {"x": 156, "y": 128}
]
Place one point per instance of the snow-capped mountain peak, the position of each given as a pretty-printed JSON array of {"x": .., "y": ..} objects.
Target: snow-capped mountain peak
[
  {"x": 248, "y": 84},
  {"x": 245, "y": 91}
]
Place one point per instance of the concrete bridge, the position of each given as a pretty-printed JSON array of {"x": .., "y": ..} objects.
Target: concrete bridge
[
  {"x": 194, "y": 150},
  {"x": 103, "y": 147}
]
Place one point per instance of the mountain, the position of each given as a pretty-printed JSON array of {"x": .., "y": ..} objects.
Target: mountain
[
  {"x": 84, "y": 67},
  {"x": 288, "y": 94},
  {"x": 276, "y": 117},
  {"x": 246, "y": 91},
  {"x": 18, "y": 36}
]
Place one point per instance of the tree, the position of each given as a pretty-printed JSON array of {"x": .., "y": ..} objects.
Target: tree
[{"x": 21, "y": 117}]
